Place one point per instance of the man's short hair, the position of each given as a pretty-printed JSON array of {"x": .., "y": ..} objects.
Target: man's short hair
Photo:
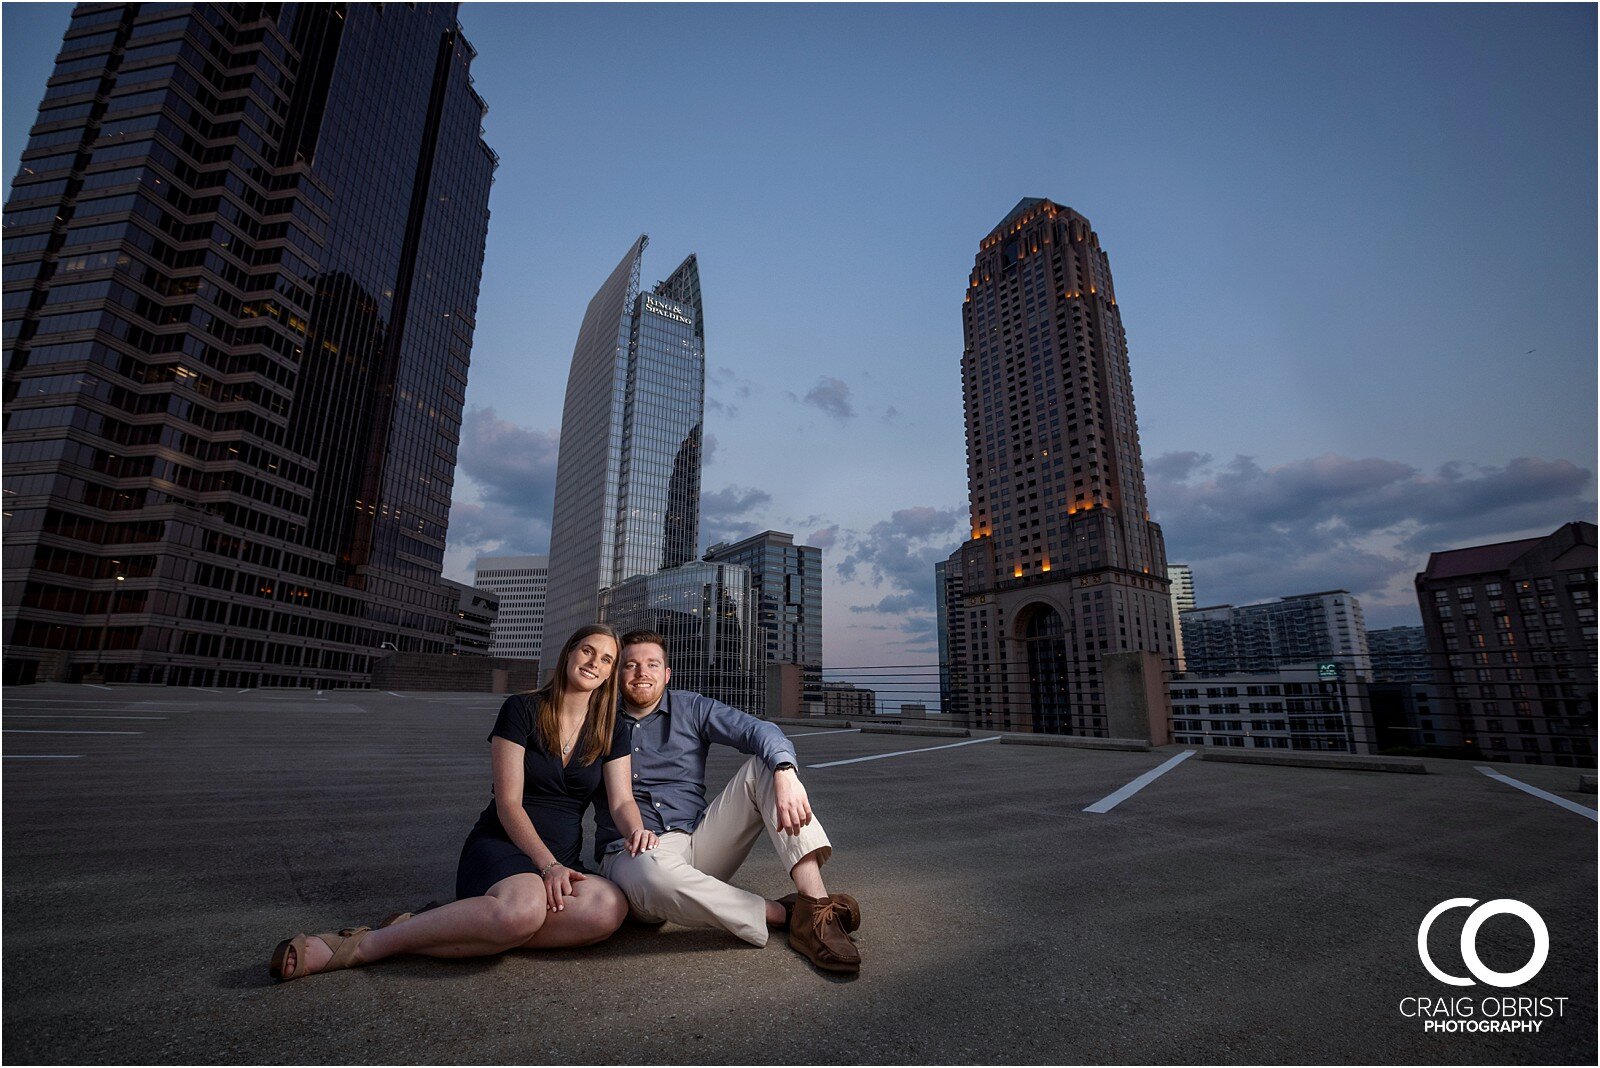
[{"x": 646, "y": 637}]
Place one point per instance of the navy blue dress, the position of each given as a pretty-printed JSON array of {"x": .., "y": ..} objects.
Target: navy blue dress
[{"x": 554, "y": 797}]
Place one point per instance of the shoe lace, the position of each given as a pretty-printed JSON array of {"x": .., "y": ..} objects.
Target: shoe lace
[{"x": 821, "y": 916}]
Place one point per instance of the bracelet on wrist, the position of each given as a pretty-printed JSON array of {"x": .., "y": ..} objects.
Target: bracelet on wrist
[{"x": 548, "y": 868}]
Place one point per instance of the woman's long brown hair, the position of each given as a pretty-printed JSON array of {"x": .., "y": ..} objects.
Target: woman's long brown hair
[{"x": 602, "y": 716}]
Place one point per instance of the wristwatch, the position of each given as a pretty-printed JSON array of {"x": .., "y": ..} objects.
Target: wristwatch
[{"x": 786, "y": 765}]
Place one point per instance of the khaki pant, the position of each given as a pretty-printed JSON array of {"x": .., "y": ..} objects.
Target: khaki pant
[{"x": 683, "y": 879}]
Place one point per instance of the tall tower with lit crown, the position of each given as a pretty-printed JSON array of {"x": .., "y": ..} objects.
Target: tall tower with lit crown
[{"x": 1064, "y": 566}]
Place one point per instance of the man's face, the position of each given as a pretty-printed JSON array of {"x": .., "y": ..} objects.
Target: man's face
[{"x": 644, "y": 675}]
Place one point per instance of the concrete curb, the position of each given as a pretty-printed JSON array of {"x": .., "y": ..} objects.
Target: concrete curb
[
  {"x": 818, "y": 721},
  {"x": 925, "y": 732},
  {"x": 1404, "y": 765},
  {"x": 1586, "y": 784},
  {"x": 1121, "y": 745}
]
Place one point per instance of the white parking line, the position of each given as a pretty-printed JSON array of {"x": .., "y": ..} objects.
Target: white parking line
[
  {"x": 837, "y": 730},
  {"x": 1112, "y": 800},
  {"x": 73, "y": 715},
  {"x": 19, "y": 730},
  {"x": 43, "y": 756},
  {"x": 247, "y": 689},
  {"x": 1570, "y": 806},
  {"x": 903, "y": 752},
  {"x": 92, "y": 686}
]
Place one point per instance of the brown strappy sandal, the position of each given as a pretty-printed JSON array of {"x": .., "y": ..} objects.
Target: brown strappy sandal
[{"x": 343, "y": 945}]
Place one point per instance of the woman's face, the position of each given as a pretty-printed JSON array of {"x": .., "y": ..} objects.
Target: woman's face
[{"x": 591, "y": 662}]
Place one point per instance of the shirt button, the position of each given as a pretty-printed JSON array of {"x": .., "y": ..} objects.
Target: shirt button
[
  {"x": 635, "y": 749},
  {"x": 636, "y": 775},
  {"x": 658, "y": 804}
]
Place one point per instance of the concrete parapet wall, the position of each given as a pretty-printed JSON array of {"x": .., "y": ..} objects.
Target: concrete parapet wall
[
  {"x": 925, "y": 732},
  {"x": 1342, "y": 762},
  {"x": 460, "y": 674},
  {"x": 1071, "y": 741}
]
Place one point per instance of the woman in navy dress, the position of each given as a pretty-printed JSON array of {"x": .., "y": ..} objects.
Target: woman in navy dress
[{"x": 520, "y": 881}]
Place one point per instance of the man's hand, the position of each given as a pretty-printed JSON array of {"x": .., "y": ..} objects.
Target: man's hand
[
  {"x": 641, "y": 840},
  {"x": 794, "y": 809}
]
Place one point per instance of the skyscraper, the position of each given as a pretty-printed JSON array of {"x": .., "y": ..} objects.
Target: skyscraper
[
  {"x": 242, "y": 258},
  {"x": 1309, "y": 627},
  {"x": 628, "y": 471},
  {"x": 786, "y": 582},
  {"x": 1511, "y": 633},
  {"x": 1182, "y": 579},
  {"x": 521, "y": 583},
  {"x": 1064, "y": 566}
]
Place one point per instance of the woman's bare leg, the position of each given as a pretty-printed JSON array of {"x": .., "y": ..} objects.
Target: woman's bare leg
[
  {"x": 595, "y": 909},
  {"x": 512, "y": 912}
]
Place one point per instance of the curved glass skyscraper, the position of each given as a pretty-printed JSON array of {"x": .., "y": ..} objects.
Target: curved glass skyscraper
[{"x": 628, "y": 472}]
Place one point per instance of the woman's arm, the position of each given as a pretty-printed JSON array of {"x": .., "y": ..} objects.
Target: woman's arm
[
  {"x": 624, "y": 809},
  {"x": 509, "y": 769}
]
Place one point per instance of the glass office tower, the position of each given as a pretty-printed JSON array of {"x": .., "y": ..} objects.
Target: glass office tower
[
  {"x": 628, "y": 472},
  {"x": 707, "y": 613},
  {"x": 242, "y": 258},
  {"x": 786, "y": 583}
]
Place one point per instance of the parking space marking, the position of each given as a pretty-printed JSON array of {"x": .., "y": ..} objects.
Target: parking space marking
[
  {"x": 92, "y": 686},
  {"x": 1570, "y": 806},
  {"x": 43, "y": 756},
  {"x": 74, "y": 715},
  {"x": 21, "y": 730},
  {"x": 1112, "y": 800},
  {"x": 815, "y": 734},
  {"x": 903, "y": 752}
]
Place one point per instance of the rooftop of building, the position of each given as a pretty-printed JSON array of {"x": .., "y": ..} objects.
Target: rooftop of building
[
  {"x": 1477, "y": 559},
  {"x": 499, "y": 562},
  {"x": 1224, "y": 913}
]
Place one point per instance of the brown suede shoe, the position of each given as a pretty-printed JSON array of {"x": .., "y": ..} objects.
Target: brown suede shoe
[
  {"x": 849, "y": 911},
  {"x": 815, "y": 931}
]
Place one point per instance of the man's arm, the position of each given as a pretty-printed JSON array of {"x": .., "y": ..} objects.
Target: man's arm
[
  {"x": 758, "y": 738},
  {"x": 727, "y": 725}
]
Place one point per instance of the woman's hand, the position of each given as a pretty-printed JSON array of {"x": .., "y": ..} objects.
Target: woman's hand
[
  {"x": 558, "y": 882},
  {"x": 641, "y": 840}
]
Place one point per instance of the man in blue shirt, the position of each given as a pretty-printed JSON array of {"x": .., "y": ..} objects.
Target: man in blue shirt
[{"x": 684, "y": 879}]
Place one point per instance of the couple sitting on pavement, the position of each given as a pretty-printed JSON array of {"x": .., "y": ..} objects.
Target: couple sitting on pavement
[{"x": 661, "y": 848}]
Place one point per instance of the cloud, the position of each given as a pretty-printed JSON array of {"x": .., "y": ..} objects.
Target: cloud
[
  {"x": 1367, "y": 525},
  {"x": 823, "y": 537},
  {"x": 897, "y": 556},
  {"x": 515, "y": 466},
  {"x": 708, "y": 450},
  {"x": 724, "y": 514},
  {"x": 890, "y": 414},
  {"x": 831, "y": 396},
  {"x": 505, "y": 492},
  {"x": 725, "y": 389}
]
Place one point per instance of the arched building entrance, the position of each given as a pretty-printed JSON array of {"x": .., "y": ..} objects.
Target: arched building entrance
[{"x": 1044, "y": 634}]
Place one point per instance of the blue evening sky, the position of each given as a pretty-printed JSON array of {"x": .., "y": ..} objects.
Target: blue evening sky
[{"x": 1353, "y": 246}]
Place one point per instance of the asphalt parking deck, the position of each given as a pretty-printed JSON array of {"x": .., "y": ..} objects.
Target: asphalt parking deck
[{"x": 1223, "y": 913}]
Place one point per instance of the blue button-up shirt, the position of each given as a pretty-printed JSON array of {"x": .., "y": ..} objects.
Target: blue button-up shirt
[{"x": 669, "y": 748}]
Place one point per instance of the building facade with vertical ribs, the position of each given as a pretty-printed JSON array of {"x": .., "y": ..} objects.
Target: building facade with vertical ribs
[
  {"x": 242, "y": 258},
  {"x": 627, "y": 499},
  {"x": 786, "y": 585},
  {"x": 1064, "y": 566}
]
